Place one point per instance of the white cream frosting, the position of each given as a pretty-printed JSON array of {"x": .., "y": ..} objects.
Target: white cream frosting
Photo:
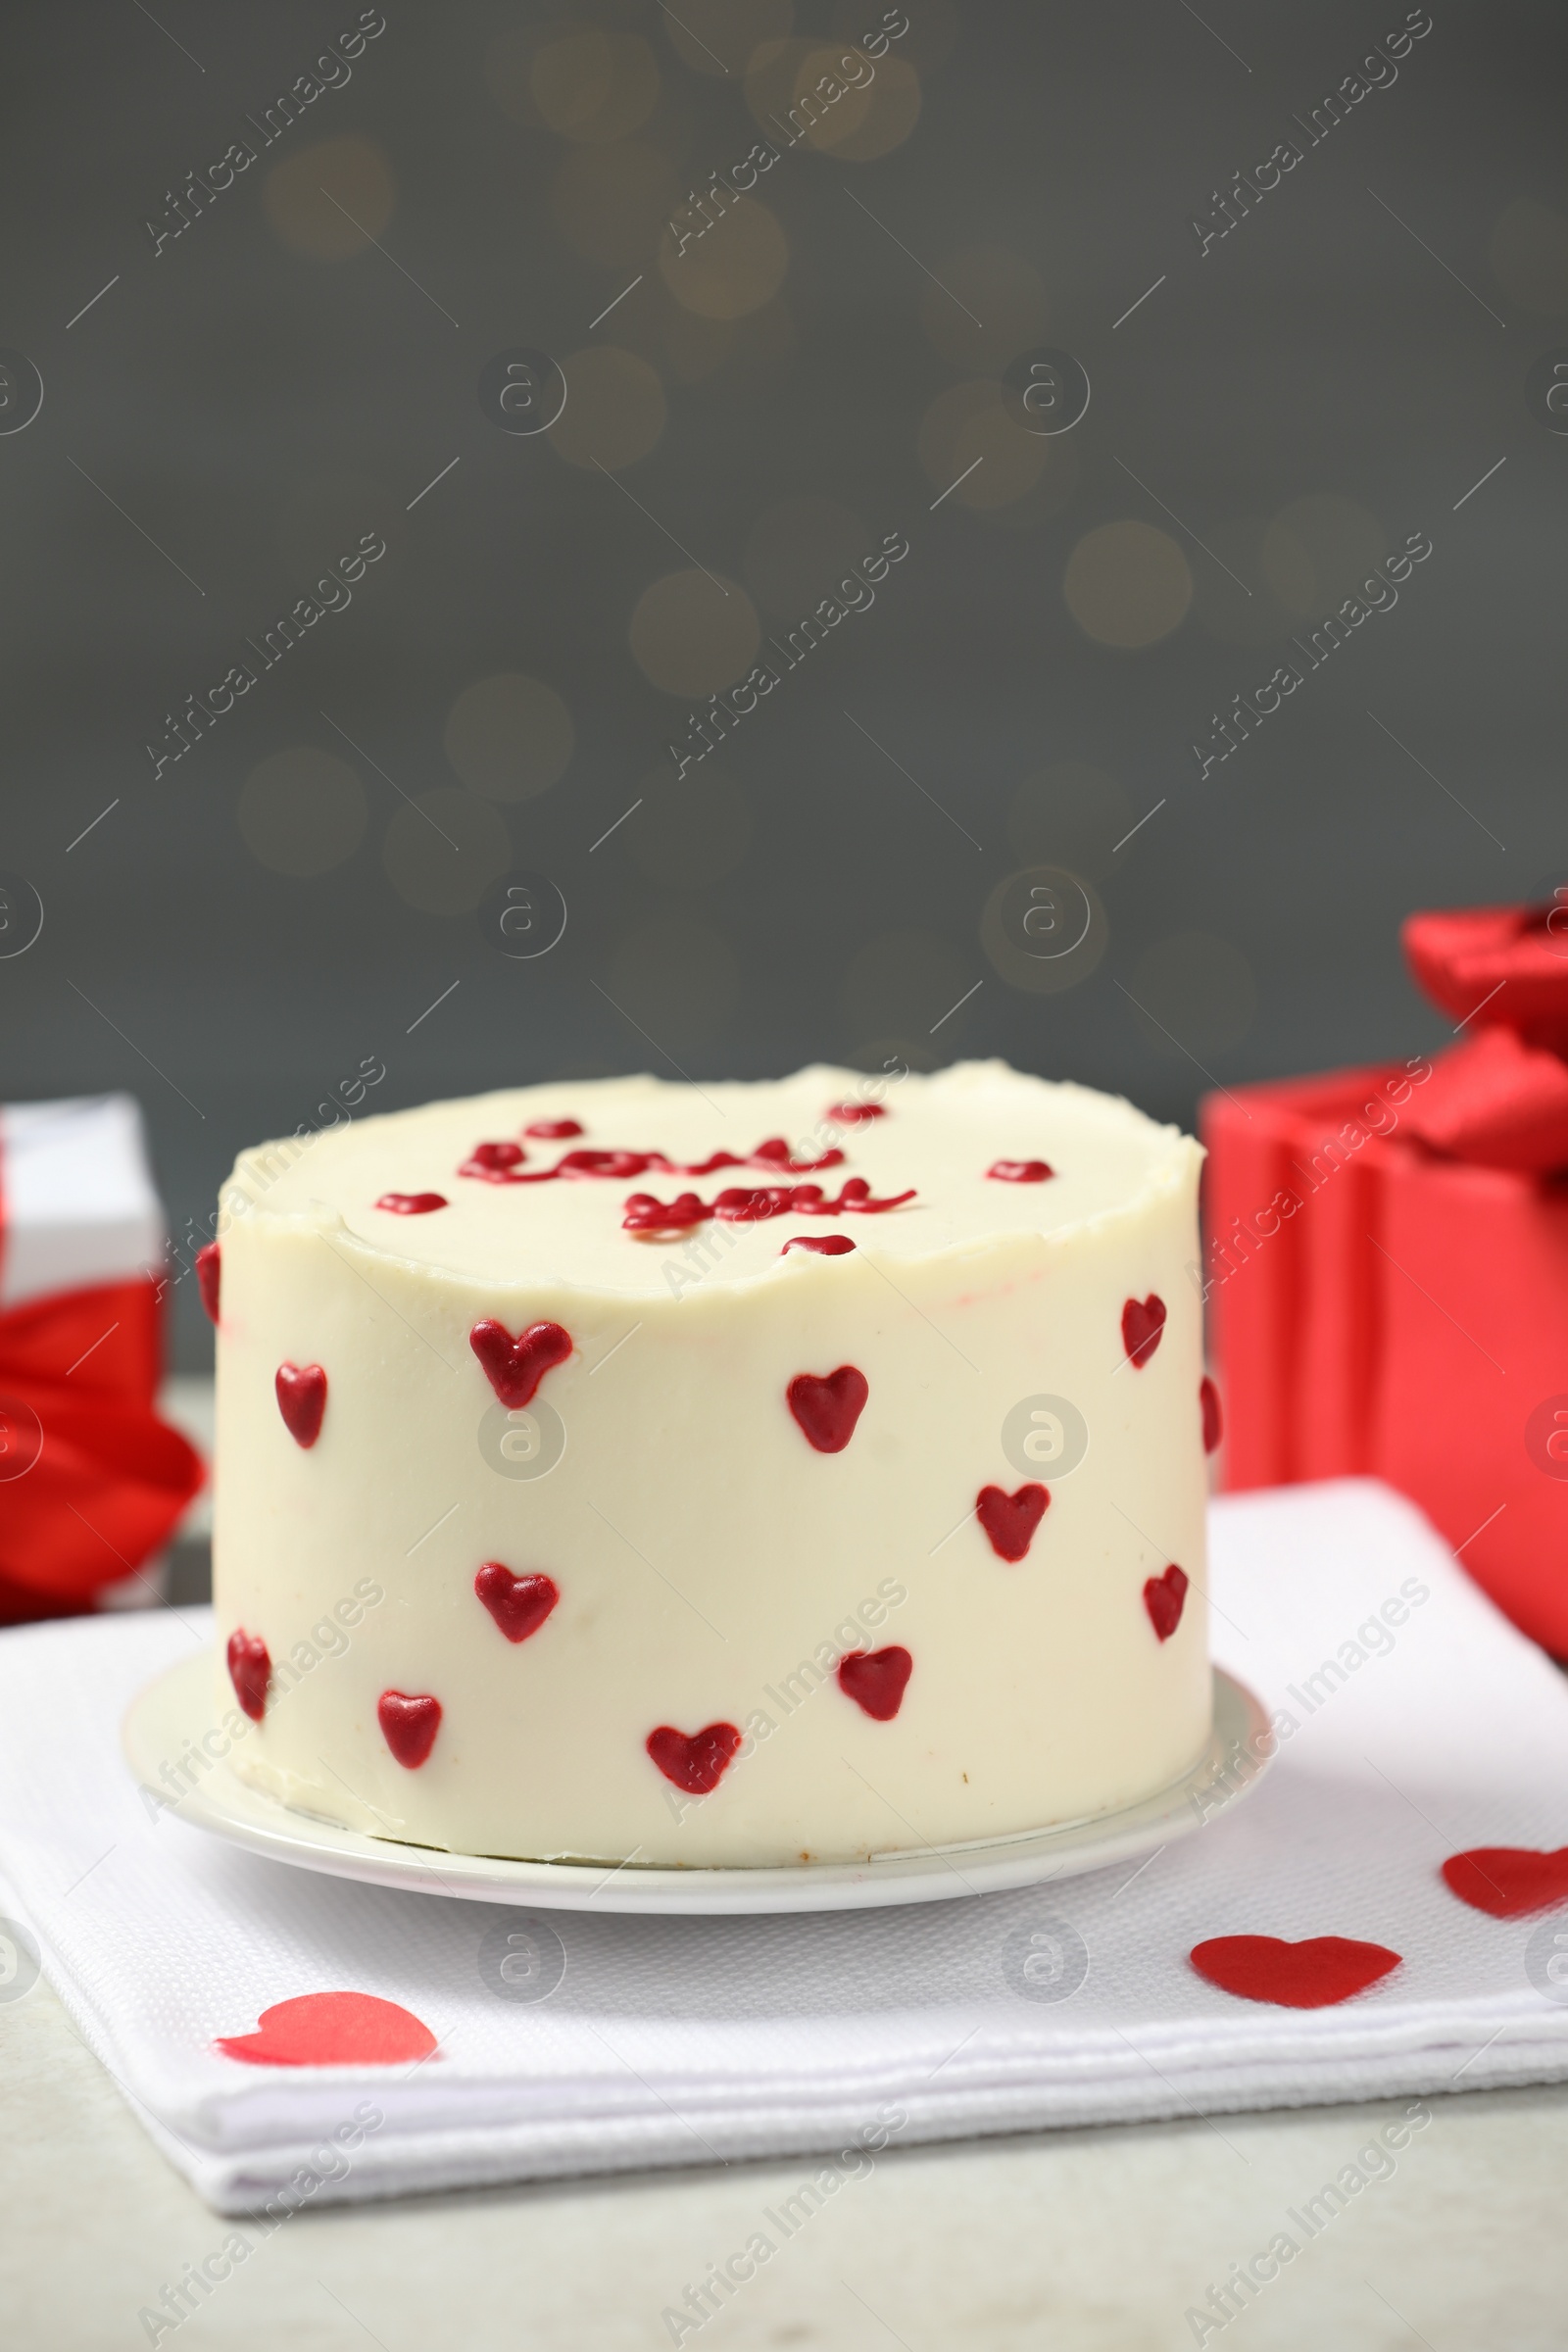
[{"x": 713, "y": 1567}]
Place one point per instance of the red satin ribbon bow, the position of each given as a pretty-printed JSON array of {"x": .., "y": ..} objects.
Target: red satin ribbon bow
[
  {"x": 1501, "y": 1098},
  {"x": 91, "y": 1481}
]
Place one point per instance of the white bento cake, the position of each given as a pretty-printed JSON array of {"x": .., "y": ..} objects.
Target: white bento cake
[{"x": 728, "y": 1475}]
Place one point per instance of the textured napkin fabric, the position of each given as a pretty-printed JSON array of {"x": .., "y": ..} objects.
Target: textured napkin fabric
[{"x": 616, "y": 2042}]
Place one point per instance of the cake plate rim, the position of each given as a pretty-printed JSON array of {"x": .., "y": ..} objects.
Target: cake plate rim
[{"x": 175, "y": 1708}]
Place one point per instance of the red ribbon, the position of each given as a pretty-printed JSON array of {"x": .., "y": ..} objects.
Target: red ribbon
[
  {"x": 91, "y": 1482},
  {"x": 1501, "y": 1098}
]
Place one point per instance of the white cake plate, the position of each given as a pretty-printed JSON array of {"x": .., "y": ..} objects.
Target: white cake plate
[{"x": 177, "y": 1709}]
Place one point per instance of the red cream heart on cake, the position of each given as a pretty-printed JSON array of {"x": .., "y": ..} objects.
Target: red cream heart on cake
[
  {"x": 1011, "y": 1520},
  {"x": 1310, "y": 1975},
  {"x": 1141, "y": 1322},
  {"x": 1213, "y": 1419},
  {"x": 208, "y": 1274},
  {"x": 827, "y": 1410},
  {"x": 1020, "y": 1171},
  {"x": 822, "y": 1245},
  {"x": 331, "y": 2029},
  {"x": 302, "y": 1401},
  {"x": 554, "y": 1130},
  {"x": 856, "y": 1114},
  {"x": 875, "y": 1679},
  {"x": 250, "y": 1670},
  {"x": 409, "y": 1725},
  {"x": 1508, "y": 1880},
  {"x": 520, "y": 1604},
  {"x": 515, "y": 1367},
  {"x": 697, "y": 1761},
  {"x": 1165, "y": 1597},
  {"x": 412, "y": 1204}
]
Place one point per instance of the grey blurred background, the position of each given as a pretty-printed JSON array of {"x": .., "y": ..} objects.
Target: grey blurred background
[{"x": 234, "y": 933}]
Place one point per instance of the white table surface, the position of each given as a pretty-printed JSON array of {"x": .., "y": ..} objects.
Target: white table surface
[{"x": 1069, "y": 2241}]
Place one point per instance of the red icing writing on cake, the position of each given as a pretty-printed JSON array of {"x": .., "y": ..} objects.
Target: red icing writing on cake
[
  {"x": 520, "y": 1604},
  {"x": 515, "y": 1367},
  {"x": 856, "y": 1114},
  {"x": 1020, "y": 1171},
  {"x": 822, "y": 1245},
  {"x": 250, "y": 1670},
  {"x": 501, "y": 1164},
  {"x": 695, "y": 1761},
  {"x": 1165, "y": 1597},
  {"x": 412, "y": 1204},
  {"x": 829, "y": 1408},
  {"x": 302, "y": 1401},
  {"x": 409, "y": 1725},
  {"x": 1011, "y": 1520},
  {"x": 747, "y": 1204},
  {"x": 554, "y": 1130}
]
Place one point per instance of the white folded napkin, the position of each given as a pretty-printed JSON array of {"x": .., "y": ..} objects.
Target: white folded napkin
[{"x": 679, "y": 2040}]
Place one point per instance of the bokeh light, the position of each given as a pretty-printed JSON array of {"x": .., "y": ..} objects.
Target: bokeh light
[
  {"x": 1319, "y": 549},
  {"x": 614, "y": 409},
  {"x": 857, "y": 111},
  {"x": 592, "y": 85},
  {"x": 989, "y": 306},
  {"x": 351, "y": 171},
  {"x": 1191, "y": 994},
  {"x": 734, "y": 266},
  {"x": 905, "y": 981},
  {"x": 799, "y": 550},
  {"x": 610, "y": 203},
  {"x": 691, "y": 634},
  {"x": 680, "y": 982},
  {"x": 1069, "y": 814},
  {"x": 444, "y": 848},
  {"x": 1528, "y": 256},
  {"x": 509, "y": 737},
  {"x": 302, "y": 811},
  {"x": 1127, "y": 585},
  {"x": 716, "y": 37},
  {"x": 969, "y": 438},
  {"x": 690, "y": 833}
]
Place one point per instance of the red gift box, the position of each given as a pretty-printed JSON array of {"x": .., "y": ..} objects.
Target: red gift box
[
  {"x": 91, "y": 1481},
  {"x": 1386, "y": 1263}
]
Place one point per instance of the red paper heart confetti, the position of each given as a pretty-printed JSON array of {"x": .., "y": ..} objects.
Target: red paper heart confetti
[
  {"x": 1213, "y": 1419},
  {"x": 412, "y": 1204},
  {"x": 829, "y": 1408},
  {"x": 302, "y": 1401},
  {"x": 409, "y": 1725},
  {"x": 1141, "y": 1322},
  {"x": 1011, "y": 1520},
  {"x": 208, "y": 1274},
  {"x": 1165, "y": 1597},
  {"x": 1310, "y": 1975},
  {"x": 520, "y": 1604},
  {"x": 1508, "y": 1881},
  {"x": 875, "y": 1679},
  {"x": 515, "y": 1367},
  {"x": 250, "y": 1670},
  {"x": 332, "y": 2029},
  {"x": 1020, "y": 1171},
  {"x": 822, "y": 1245},
  {"x": 697, "y": 1761}
]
